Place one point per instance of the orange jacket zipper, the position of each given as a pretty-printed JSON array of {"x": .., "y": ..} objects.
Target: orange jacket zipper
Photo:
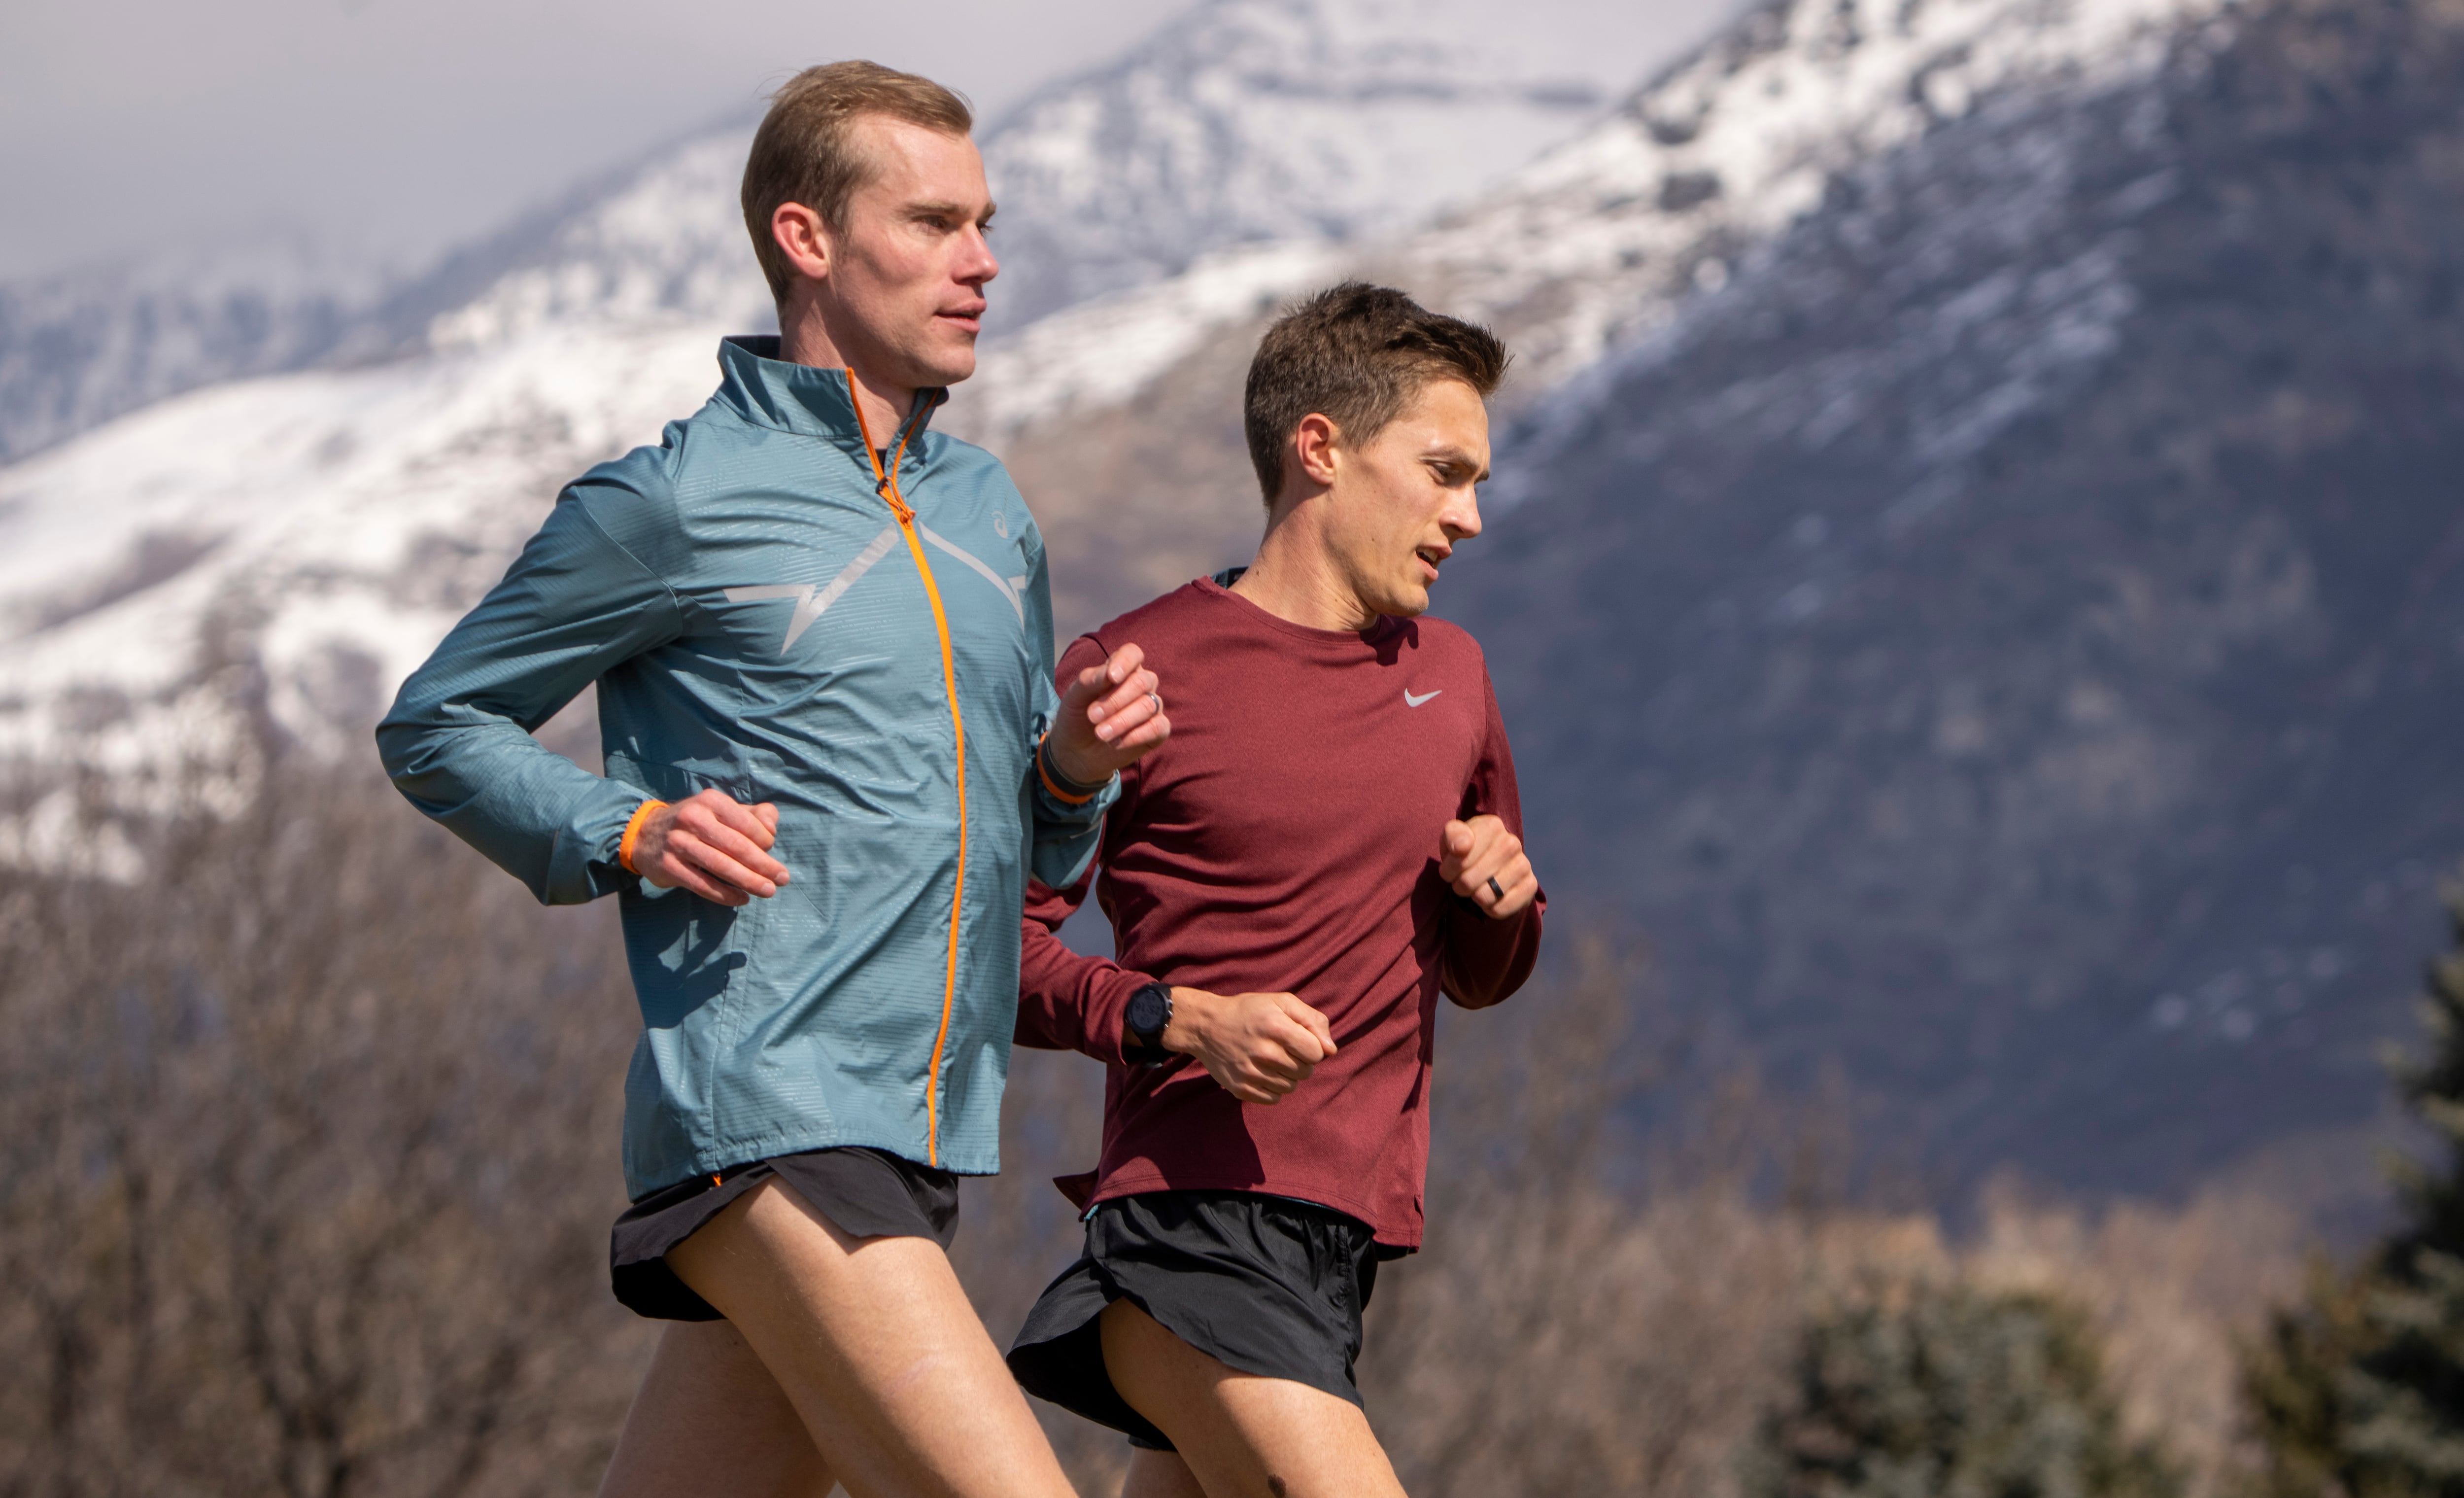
[{"x": 885, "y": 484}]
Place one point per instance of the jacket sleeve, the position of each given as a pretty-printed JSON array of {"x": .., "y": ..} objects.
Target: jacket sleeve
[
  {"x": 1066, "y": 832},
  {"x": 457, "y": 743},
  {"x": 1486, "y": 960},
  {"x": 1066, "y": 1001}
]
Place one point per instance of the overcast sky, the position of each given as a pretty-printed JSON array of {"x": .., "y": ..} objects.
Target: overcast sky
[{"x": 148, "y": 130}]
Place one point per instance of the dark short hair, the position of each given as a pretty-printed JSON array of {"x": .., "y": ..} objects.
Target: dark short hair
[
  {"x": 803, "y": 152},
  {"x": 1356, "y": 353}
]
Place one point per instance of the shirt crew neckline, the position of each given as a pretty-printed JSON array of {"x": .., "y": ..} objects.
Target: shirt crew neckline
[{"x": 1386, "y": 625}]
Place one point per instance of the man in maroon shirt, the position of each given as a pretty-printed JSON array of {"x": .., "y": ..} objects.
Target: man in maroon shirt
[{"x": 1331, "y": 839}]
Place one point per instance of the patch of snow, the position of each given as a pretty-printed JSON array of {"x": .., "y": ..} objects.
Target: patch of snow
[
  {"x": 1107, "y": 352},
  {"x": 1595, "y": 245},
  {"x": 670, "y": 241},
  {"x": 348, "y": 518},
  {"x": 1256, "y": 121}
]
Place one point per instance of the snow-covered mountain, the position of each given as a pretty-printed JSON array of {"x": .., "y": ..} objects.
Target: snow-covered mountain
[
  {"x": 2008, "y": 641},
  {"x": 1260, "y": 121},
  {"x": 316, "y": 532},
  {"x": 663, "y": 243},
  {"x": 1242, "y": 121},
  {"x": 79, "y": 347},
  {"x": 1976, "y": 574},
  {"x": 308, "y": 513},
  {"x": 298, "y": 522},
  {"x": 1594, "y": 248},
  {"x": 1598, "y": 242},
  {"x": 1275, "y": 123}
]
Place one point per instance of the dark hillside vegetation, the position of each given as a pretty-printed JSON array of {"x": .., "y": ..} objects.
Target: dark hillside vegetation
[{"x": 2011, "y": 639}]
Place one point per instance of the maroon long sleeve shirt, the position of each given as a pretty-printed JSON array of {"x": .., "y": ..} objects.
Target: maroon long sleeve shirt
[{"x": 1285, "y": 839}]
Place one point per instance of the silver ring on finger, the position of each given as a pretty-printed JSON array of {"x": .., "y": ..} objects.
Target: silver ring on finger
[{"x": 1158, "y": 701}]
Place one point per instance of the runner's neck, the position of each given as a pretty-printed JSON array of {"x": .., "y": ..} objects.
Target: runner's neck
[
  {"x": 805, "y": 340},
  {"x": 1296, "y": 581}
]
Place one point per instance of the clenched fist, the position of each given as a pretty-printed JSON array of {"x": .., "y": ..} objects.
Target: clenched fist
[
  {"x": 1485, "y": 863},
  {"x": 1258, "y": 1046},
  {"x": 1109, "y": 717},
  {"x": 717, "y": 847}
]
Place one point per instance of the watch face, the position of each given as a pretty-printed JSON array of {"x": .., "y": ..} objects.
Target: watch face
[{"x": 1149, "y": 1012}]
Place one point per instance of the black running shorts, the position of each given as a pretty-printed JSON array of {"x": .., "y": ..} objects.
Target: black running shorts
[
  {"x": 1266, "y": 1284},
  {"x": 864, "y": 1193}
]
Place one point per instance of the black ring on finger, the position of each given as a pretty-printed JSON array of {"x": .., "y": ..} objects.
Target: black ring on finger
[{"x": 1494, "y": 890}]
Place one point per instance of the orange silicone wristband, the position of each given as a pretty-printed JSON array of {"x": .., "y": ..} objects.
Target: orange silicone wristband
[
  {"x": 1044, "y": 772},
  {"x": 632, "y": 832}
]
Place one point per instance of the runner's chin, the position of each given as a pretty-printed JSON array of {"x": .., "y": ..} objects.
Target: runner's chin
[
  {"x": 954, "y": 354},
  {"x": 1407, "y": 600}
]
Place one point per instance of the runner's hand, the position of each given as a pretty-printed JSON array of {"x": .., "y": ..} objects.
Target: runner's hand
[
  {"x": 1108, "y": 719},
  {"x": 1258, "y": 1046},
  {"x": 1471, "y": 853},
  {"x": 716, "y": 848}
]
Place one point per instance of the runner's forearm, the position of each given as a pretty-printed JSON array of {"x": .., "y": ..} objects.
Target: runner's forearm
[
  {"x": 457, "y": 743},
  {"x": 1486, "y": 960},
  {"x": 1067, "y": 1000}
]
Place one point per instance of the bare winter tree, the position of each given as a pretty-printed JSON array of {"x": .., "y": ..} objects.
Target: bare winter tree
[{"x": 311, "y": 1139}]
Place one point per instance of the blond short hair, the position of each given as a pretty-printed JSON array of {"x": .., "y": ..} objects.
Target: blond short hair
[{"x": 805, "y": 151}]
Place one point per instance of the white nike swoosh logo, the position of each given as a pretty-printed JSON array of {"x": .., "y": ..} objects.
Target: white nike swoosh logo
[{"x": 1410, "y": 700}]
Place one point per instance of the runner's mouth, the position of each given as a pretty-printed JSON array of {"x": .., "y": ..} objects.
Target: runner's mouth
[{"x": 1430, "y": 558}]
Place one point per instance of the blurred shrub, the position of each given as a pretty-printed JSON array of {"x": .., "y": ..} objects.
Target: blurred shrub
[
  {"x": 2357, "y": 1389},
  {"x": 1931, "y": 1390},
  {"x": 2296, "y": 1381}
]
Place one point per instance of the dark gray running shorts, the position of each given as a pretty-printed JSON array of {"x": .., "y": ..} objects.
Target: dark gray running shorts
[
  {"x": 1266, "y": 1284},
  {"x": 866, "y": 1193}
]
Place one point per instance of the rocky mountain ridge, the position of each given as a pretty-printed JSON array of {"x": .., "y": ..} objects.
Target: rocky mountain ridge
[
  {"x": 1241, "y": 121},
  {"x": 1120, "y": 415},
  {"x": 1260, "y": 122}
]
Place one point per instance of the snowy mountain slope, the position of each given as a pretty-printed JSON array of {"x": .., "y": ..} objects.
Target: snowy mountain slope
[
  {"x": 134, "y": 545},
  {"x": 213, "y": 499},
  {"x": 83, "y": 347},
  {"x": 1601, "y": 238},
  {"x": 1981, "y": 591},
  {"x": 1592, "y": 248},
  {"x": 79, "y": 349},
  {"x": 1242, "y": 121},
  {"x": 665, "y": 240},
  {"x": 1263, "y": 120},
  {"x": 128, "y": 541},
  {"x": 318, "y": 530},
  {"x": 1229, "y": 125}
]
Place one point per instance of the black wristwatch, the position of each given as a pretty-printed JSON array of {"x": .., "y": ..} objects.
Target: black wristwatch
[{"x": 1144, "y": 1020}]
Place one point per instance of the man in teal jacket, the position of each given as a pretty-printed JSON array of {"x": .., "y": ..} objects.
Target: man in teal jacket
[{"x": 822, "y": 638}]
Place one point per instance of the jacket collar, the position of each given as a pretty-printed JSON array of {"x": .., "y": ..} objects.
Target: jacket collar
[{"x": 768, "y": 391}]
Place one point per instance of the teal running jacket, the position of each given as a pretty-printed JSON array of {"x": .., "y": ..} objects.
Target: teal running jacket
[{"x": 777, "y": 606}]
